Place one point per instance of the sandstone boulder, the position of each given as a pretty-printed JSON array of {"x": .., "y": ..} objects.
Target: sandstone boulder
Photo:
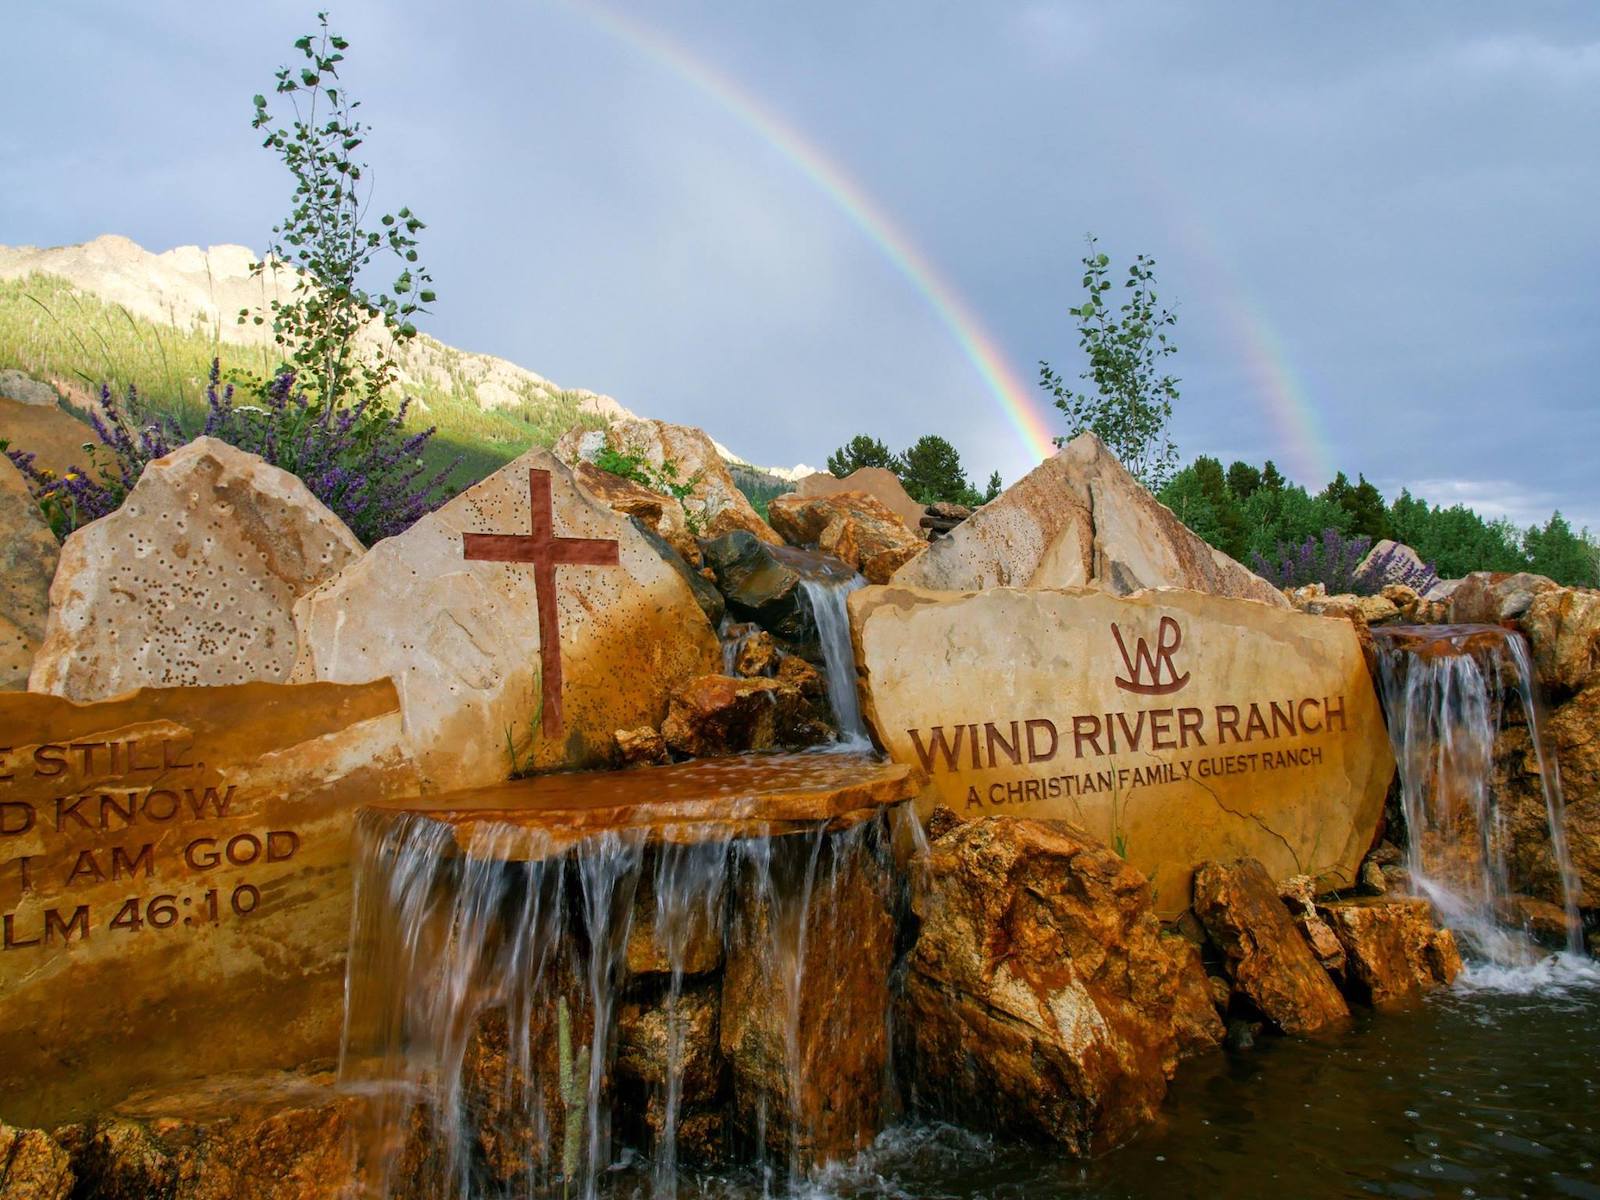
[
  {"x": 465, "y": 638},
  {"x": 1174, "y": 725},
  {"x": 192, "y": 581},
  {"x": 1299, "y": 894},
  {"x": 1194, "y": 1016},
  {"x": 1040, "y": 997},
  {"x": 1267, "y": 958},
  {"x": 717, "y": 714},
  {"x": 1390, "y": 562},
  {"x": 28, "y": 553},
  {"x": 1572, "y": 734},
  {"x": 54, "y": 437},
  {"x": 640, "y": 747},
  {"x": 880, "y": 483},
  {"x": 1394, "y": 952},
  {"x": 756, "y": 655},
  {"x": 1079, "y": 519},
  {"x": 1563, "y": 629},
  {"x": 705, "y": 591},
  {"x": 33, "y": 1166},
  {"x": 1490, "y": 597},
  {"x": 682, "y": 455},
  {"x": 663, "y": 515}
]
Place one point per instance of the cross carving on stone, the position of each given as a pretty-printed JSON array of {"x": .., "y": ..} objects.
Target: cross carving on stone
[{"x": 545, "y": 552}]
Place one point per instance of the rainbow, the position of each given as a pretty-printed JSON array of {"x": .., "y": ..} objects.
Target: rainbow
[{"x": 1021, "y": 403}]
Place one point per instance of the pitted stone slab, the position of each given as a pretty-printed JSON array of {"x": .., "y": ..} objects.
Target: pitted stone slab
[
  {"x": 460, "y": 636},
  {"x": 192, "y": 581}
]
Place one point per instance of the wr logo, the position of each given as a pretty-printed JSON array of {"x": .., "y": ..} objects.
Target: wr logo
[{"x": 1152, "y": 674}]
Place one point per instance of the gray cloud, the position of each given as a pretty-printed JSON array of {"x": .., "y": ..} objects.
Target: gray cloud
[{"x": 1380, "y": 216}]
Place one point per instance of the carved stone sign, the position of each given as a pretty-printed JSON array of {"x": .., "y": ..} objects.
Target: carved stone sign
[
  {"x": 174, "y": 883},
  {"x": 1176, "y": 726}
]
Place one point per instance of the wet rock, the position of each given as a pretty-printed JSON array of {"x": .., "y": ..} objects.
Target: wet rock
[
  {"x": 1563, "y": 628},
  {"x": 461, "y": 637},
  {"x": 1242, "y": 1034},
  {"x": 289, "y": 1137},
  {"x": 673, "y": 1036},
  {"x": 691, "y": 946},
  {"x": 716, "y": 714},
  {"x": 1393, "y": 950},
  {"x": 757, "y": 655},
  {"x": 1489, "y": 597},
  {"x": 1299, "y": 895},
  {"x": 28, "y": 553},
  {"x": 1572, "y": 734},
  {"x": 1194, "y": 1017},
  {"x": 662, "y": 515},
  {"x": 1041, "y": 998},
  {"x": 805, "y": 994},
  {"x": 855, "y": 528},
  {"x": 797, "y": 672},
  {"x": 762, "y": 584},
  {"x": 1267, "y": 958},
  {"x": 705, "y": 590},
  {"x": 881, "y": 484},
  {"x": 32, "y": 1166},
  {"x": 1373, "y": 881},
  {"x": 1545, "y": 922},
  {"x": 192, "y": 581},
  {"x": 511, "y": 1090},
  {"x": 683, "y": 455},
  {"x": 640, "y": 747},
  {"x": 1080, "y": 519}
]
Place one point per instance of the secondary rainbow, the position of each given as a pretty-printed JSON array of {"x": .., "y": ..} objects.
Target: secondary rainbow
[{"x": 1021, "y": 403}]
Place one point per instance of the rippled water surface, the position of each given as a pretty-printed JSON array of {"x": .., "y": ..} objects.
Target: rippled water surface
[{"x": 1490, "y": 1090}]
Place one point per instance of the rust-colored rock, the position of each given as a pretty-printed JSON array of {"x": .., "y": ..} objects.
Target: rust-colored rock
[
  {"x": 717, "y": 714},
  {"x": 52, "y": 435},
  {"x": 1267, "y": 958},
  {"x": 28, "y": 554},
  {"x": 1492, "y": 597},
  {"x": 1572, "y": 733},
  {"x": 640, "y": 747},
  {"x": 1394, "y": 952},
  {"x": 1299, "y": 894},
  {"x": 805, "y": 1035},
  {"x": 289, "y": 1136},
  {"x": 655, "y": 1035},
  {"x": 1194, "y": 1015},
  {"x": 33, "y": 1166},
  {"x": 1080, "y": 520},
  {"x": 757, "y": 655},
  {"x": 796, "y": 671},
  {"x": 714, "y": 504},
  {"x": 192, "y": 581},
  {"x": 663, "y": 514},
  {"x": 854, "y": 527},
  {"x": 880, "y": 483},
  {"x": 1041, "y": 998}
]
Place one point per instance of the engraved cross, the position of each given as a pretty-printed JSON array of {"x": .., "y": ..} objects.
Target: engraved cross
[{"x": 545, "y": 552}]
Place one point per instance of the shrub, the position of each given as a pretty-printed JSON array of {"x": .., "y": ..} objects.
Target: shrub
[{"x": 1330, "y": 560}]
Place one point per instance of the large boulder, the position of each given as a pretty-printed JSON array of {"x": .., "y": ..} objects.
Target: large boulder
[
  {"x": 1563, "y": 629},
  {"x": 880, "y": 483},
  {"x": 1393, "y": 950},
  {"x": 1041, "y": 998},
  {"x": 1390, "y": 562},
  {"x": 662, "y": 515},
  {"x": 717, "y": 714},
  {"x": 1492, "y": 597},
  {"x": 679, "y": 454},
  {"x": 1572, "y": 734},
  {"x": 1174, "y": 725},
  {"x": 192, "y": 581},
  {"x": 1080, "y": 520},
  {"x": 1267, "y": 959},
  {"x": 50, "y": 433},
  {"x": 461, "y": 636},
  {"x": 28, "y": 553},
  {"x": 762, "y": 583},
  {"x": 859, "y": 530}
]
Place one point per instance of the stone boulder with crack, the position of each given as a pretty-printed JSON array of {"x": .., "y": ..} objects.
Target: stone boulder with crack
[
  {"x": 1041, "y": 997},
  {"x": 1080, "y": 520},
  {"x": 1563, "y": 630},
  {"x": 683, "y": 455},
  {"x": 1491, "y": 597},
  {"x": 1267, "y": 958},
  {"x": 662, "y": 515},
  {"x": 192, "y": 581},
  {"x": 28, "y": 554},
  {"x": 461, "y": 637},
  {"x": 859, "y": 530},
  {"x": 717, "y": 714},
  {"x": 33, "y": 1166}
]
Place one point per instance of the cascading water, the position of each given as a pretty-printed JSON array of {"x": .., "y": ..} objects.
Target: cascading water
[
  {"x": 532, "y": 1018},
  {"x": 1448, "y": 694},
  {"x": 827, "y": 597}
]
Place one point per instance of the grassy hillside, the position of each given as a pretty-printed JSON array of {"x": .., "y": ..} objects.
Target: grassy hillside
[{"x": 54, "y": 331}]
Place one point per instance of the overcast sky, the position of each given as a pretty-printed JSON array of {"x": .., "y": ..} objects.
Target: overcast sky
[{"x": 1379, "y": 223}]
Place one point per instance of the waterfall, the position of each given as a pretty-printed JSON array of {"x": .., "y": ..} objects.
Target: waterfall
[
  {"x": 827, "y": 596},
  {"x": 534, "y": 1017},
  {"x": 1448, "y": 693}
]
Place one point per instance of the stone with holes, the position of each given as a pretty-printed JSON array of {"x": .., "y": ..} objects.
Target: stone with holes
[
  {"x": 524, "y": 623},
  {"x": 192, "y": 581}
]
